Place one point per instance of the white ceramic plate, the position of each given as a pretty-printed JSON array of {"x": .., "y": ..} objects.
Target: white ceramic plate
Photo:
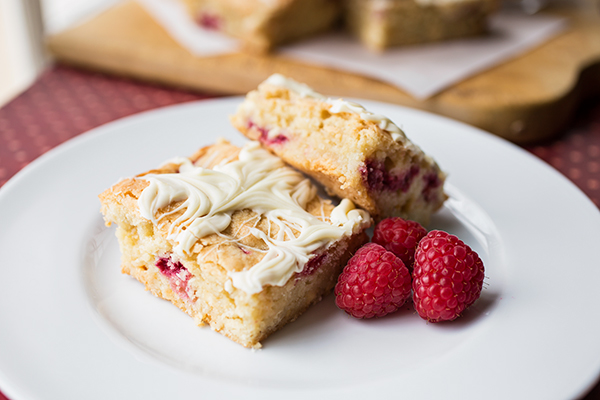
[{"x": 73, "y": 327}]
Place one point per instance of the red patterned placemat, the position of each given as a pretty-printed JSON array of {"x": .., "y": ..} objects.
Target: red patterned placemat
[
  {"x": 66, "y": 102},
  {"x": 577, "y": 152}
]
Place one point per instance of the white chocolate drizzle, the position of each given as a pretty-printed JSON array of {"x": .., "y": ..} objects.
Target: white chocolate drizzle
[
  {"x": 338, "y": 105},
  {"x": 258, "y": 181},
  {"x": 301, "y": 89},
  {"x": 385, "y": 124}
]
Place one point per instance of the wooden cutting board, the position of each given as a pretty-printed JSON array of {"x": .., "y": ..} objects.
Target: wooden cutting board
[{"x": 525, "y": 100}]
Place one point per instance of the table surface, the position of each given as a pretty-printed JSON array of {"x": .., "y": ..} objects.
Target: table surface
[{"x": 65, "y": 102}]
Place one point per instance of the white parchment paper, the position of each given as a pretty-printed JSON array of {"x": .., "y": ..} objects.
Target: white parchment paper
[{"x": 420, "y": 70}]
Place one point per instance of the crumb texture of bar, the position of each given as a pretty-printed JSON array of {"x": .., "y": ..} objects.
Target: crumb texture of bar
[
  {"x": 262, "y": 25},
  {"x": 233, "y": 237},
  {"x": 354, "y": 153}
]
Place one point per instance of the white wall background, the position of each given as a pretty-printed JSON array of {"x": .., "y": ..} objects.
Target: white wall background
[{"x": 23, "y": 23}]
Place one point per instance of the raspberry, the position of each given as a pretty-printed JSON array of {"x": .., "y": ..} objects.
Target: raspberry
[
  {"x": 374, "y": 283},
  {"x": 401, "y": 237},
  {"x": 447, "y": 277}
]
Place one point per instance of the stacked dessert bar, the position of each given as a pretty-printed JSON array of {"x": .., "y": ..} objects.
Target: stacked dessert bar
[{"x": 240, "y": 240}]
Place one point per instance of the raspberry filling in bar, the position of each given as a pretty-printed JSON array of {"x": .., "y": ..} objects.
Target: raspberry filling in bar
[
  {"x": 209, "y": 21},
  {"x": 268, "y": 137},
  {"x": 378, "y": 178},
  {"x": 177, "y": 275}
]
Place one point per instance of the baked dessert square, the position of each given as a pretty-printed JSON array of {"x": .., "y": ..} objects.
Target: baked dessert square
[
  {"x": 262, "y": 25},
  {"x": 380, "y": 24},
  {"x": 233, "y": 237},
  {"x": 353, "y": 152}
]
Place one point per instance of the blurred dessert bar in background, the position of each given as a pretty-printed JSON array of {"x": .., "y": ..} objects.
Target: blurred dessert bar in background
[
  {"x": 380, "y": 24},
  {"x": 262, "y": 25}
]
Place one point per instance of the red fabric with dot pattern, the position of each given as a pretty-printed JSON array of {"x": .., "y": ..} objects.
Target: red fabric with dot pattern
[
  {"x": 66, "y": 102},
  {"x": 577, "y": 152}
]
